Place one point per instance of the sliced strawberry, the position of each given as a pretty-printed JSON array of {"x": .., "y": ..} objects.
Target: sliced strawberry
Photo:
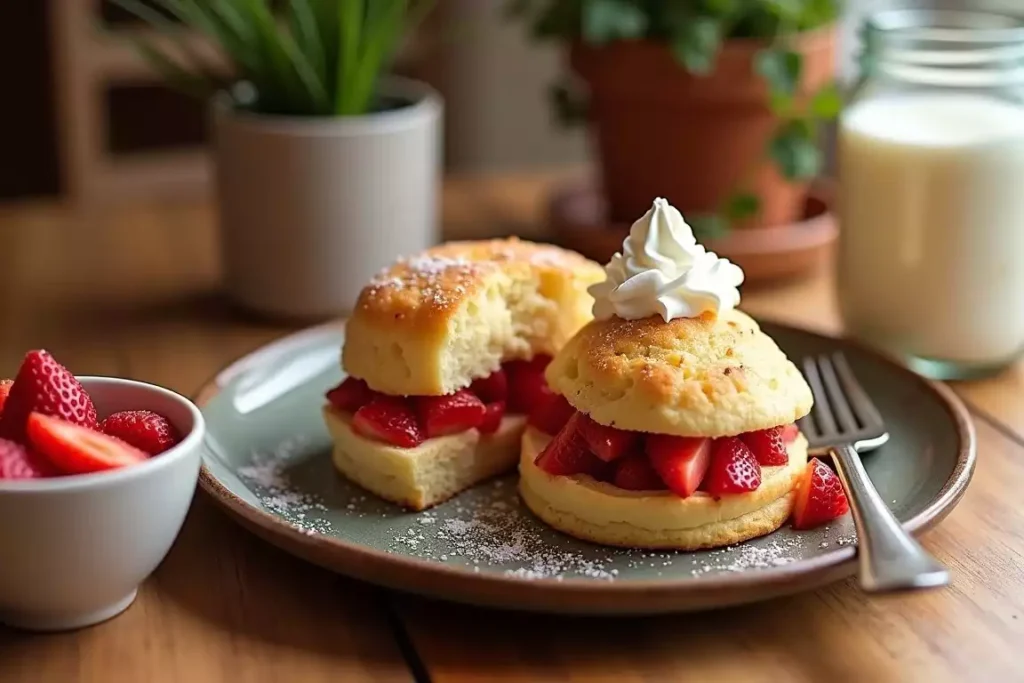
[
  {"x": 450, "y": 414},
  {"x": 5, "y": 389},
  {"x": 493, "y": 414},
  {"x": 390, "y": 419},
  {"x": 767, "y": 446},
  {"x": 75, "y": 449},
  {"x": 44, "y": 386},
  {"x": 567, "y": 454},
  {"x": 18, "y": 462},
  {"x": 733, "y": 468},
  {"x": 790, "y": 432},
  {"x": 819, "y": 498},
  {"x": 351, "y": 395},
  {"x": 635, "y": 473},
  {"x": 144, "y": 429},
  {"x": 527, "y": 388},
  {"x": 493, "y": 387},
  {"x": 551, "y": 414},
  {"x": 608, "y": 443},
  {"x": 680, "y": 461}
]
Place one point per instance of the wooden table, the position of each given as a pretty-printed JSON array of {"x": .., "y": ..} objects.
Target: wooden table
[{"x": 132, "y": 292}]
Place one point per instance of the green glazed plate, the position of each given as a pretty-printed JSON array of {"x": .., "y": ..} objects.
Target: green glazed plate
[{"x": 267, "y": 462}]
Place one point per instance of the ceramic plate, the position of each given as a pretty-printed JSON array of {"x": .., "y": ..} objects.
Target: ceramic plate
[{"x": 267, "y": 462}]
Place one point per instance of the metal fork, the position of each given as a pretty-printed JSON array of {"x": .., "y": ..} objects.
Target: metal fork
[{"x": 844, "y": 423}]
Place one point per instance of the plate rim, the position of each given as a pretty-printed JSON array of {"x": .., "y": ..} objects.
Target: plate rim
[{"x": 572, "y": 594}]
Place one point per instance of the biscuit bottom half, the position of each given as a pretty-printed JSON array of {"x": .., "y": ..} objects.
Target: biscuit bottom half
[
  {"x": 594, "y": 511},
  {"x": 434, "y": 471}
]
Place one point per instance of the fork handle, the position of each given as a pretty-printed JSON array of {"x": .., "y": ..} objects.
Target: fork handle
[{"x": 890, "y": 559}]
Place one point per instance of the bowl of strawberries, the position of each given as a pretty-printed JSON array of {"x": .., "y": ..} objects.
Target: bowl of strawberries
[{"x": 96, "y": 476}]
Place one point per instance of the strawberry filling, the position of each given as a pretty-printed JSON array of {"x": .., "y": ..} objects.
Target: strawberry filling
[
  {"x": 517, "y": 387},
  {"x": 636, "y": 461}
]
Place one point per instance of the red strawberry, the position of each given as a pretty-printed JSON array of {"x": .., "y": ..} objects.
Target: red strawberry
[
  {"x": 527, "y": 387},
  {"x": 493, "y": 387},
  {"x": 44, "y": 386},
  {"x": 351, "y": 395},
  {"x": 819, "y": 498},
  {"x": 767, "y": 446},
  {"x": 790, "y": 432},
  {"x": 75, "y": 449},
  {"x": 635, "y": 473},
  {"x": 493, "y": 415},
  {"x": 143, "y": 429},
  {"x": 5, "y": 389},
  {"x": 567, "y": 453},
  {"x": 608, "y": 443},
  {"x": 17, "y": 462},
  {"x": 450, "y": 414},
  {"x": 680, "y": 461},
  {"x": 390, "y": 419},
  {"x": 733, "y": 468},
  {"x": 551, "y": 414}
]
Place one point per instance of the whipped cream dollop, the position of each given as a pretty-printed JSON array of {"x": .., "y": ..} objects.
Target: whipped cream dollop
[{"x": 663, "y": 271}]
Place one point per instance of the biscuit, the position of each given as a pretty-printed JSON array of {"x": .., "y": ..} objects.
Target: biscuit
[
  {"x": 431, "y": 324},
  {"x": 709, "y": 376},
  {"x": 594, "y": 511}
]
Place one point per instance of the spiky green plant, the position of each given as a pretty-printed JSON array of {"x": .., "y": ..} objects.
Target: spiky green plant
[{"x": 299, "y": 57}]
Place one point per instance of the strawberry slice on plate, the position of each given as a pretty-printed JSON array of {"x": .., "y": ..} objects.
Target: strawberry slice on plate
[
  {"x": 551, "y": 414},
  {"x": 390, "y": 419},
  {"x": 567, "y": 454},
  {"x": 680, "y": 461},
  {"x": 820, "y": 497},
  {"x": 144, "y": 429},
  {"x": 351, "y": 395},
  {"x": 636, "y": 473},
  {"x": 492, "y": 388},
  {"x": 450, "y": 414},
  {"x": 75, "y": 449},
  {"x": 733, "y": 468},
  {"x": 493, "y": 414},
  {"x": 767, "y": 445},
  {"x": 44, "y": 386},
  {"x": 527, "y": 388},
  {"x": 608, "y": 443},
  {"x": 18, "y": 462}
]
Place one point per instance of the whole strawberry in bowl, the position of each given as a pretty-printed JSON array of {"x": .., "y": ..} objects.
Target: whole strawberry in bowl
[{"x": 96, "y": 476}]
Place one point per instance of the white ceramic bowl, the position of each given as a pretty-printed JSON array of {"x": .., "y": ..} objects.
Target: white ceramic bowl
[{"x": 73, "y": 550}]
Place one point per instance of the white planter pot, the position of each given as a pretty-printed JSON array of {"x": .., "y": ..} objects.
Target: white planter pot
[{"x": 312, "y": 208}]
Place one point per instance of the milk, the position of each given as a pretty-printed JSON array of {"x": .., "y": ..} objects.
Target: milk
[{"x": 931, "y": 262}]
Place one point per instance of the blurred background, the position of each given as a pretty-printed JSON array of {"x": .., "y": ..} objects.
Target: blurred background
[{"x": 73, "y": 84}]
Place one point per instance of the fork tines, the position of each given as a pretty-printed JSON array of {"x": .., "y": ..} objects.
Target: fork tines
[{"x": 842, "y": 409}]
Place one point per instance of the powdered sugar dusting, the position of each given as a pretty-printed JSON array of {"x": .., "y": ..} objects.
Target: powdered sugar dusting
[{"x": 267, "y": 473}]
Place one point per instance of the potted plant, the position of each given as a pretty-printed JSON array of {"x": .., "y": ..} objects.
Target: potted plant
[
  {"x": 713, "y": 104},
  {"x": 326, "y": 168}
]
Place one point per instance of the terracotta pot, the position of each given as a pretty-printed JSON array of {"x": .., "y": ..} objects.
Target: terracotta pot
[{"x": 661, "y": 131}]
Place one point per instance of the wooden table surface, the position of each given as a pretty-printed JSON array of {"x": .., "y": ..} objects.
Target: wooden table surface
[{"x": 132, "y": 291}]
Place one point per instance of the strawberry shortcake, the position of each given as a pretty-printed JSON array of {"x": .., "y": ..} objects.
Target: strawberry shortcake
[
  {"x": 672, "y": 420},
  {"x": 445, "y": 354}
]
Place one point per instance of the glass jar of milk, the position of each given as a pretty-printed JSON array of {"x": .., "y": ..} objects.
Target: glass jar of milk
[{"x": 931, "y": 192}]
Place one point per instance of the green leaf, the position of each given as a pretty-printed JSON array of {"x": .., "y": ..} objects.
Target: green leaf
[
  {"x": 827, "y": 103},
  {"x": 781, "y": 69},
  {"x": 696, "y": 42},
  {"x": 741, "y": 206},
  {"x": 794, "y": 148},
  {"x": 603, "y": 21},
  {"x": 708, "y": 226}
]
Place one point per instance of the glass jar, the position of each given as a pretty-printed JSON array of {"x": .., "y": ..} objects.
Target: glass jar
[{"x": 931, "y": 191}]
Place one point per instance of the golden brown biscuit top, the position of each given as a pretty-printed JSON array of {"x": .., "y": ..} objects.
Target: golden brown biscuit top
[{"x": 427, "y": 286}]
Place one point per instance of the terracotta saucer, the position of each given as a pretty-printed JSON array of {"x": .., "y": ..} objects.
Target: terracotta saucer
[{"x": 577, "y": 216}]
